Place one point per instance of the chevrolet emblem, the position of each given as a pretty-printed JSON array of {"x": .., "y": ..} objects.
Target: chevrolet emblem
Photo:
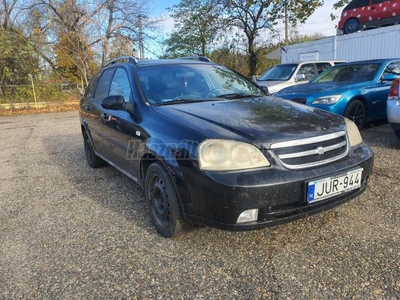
[{"x": 320, "y": 150}]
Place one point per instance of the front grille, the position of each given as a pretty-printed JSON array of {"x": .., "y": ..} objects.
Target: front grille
[
  {"x": 311, "y": 152},
  {"x": 300, "y": 100}
]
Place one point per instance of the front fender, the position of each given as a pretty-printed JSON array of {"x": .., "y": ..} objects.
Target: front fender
[{"x": 171, "y": 155}]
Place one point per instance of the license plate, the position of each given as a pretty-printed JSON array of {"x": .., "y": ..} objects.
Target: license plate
[{"x": 328, "y": 187}]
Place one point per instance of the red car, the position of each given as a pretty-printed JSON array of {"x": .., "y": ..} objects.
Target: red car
[{"x": 369, "y": 13}]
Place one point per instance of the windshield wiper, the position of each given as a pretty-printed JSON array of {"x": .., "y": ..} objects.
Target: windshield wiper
[
  {"x": 237, "y": 96},
  {"x": 178, "y": 101}
]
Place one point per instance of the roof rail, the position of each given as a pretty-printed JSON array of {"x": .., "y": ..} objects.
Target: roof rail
[
  {"x": 196, "y": 57},
  {"x": 130, "y": 59}
]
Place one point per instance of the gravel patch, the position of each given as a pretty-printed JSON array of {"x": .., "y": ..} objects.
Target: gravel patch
[{"x": 71, "y": 232}]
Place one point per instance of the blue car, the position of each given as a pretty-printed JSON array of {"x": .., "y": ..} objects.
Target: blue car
[{"x": 356, "y": 90}]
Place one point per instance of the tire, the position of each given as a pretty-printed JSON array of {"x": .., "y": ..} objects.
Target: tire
[
  {"x": 351, "y": 26},
  {"x": 93, "y": 160},
  {"x": 356, "y": 112},
  {"x": 163, "y": 203}
]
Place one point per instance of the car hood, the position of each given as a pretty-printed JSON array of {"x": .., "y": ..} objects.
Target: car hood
[
  {"x": 266, "y": 120},
  {"x": 318, "y": 87}
]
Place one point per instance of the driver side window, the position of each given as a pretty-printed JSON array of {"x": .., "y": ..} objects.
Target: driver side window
[{"x": 120, "y": 84}]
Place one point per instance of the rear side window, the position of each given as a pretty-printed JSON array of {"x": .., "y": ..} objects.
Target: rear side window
[
  {"x": 393, "y": 68},
  {"x": 104, "y": 84}
]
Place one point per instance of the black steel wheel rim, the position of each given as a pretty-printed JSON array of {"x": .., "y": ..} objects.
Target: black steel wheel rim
[
  {"x": 159, "y": 201},
  {"x": 357, "y": 115}
]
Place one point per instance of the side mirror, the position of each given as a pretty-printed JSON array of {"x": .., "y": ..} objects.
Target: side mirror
[
  {"x": 265, "y": 89},
  {"x": 115, "y": 102},
  {"x": 300, "y": 77},
  {"x": 389, "y": 77}
]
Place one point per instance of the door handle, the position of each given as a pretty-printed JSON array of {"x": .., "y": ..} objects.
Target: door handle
[{"x": 106, "y": 117}]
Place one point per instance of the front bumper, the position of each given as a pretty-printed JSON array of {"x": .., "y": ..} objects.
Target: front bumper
[{"x": 217, "y": 199}]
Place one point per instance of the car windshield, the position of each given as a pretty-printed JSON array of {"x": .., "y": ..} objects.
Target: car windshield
[
  {"x": 170, "y": 84},
  {"x": 353, "y": 73},
  {"x": 278, "y": 73}
]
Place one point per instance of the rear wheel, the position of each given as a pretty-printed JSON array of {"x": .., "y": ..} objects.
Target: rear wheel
[
  {"x": 351, "y": 26},
  {"x": 356, "y": 112},
  {"x": 93, "y": 160},
  {"x": 163, "y": 202}
]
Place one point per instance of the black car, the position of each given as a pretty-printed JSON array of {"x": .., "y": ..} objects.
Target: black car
[{"x": 210, "y": 147}]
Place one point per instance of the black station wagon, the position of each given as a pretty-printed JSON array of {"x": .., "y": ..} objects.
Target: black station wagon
[{"x": 210, "y": 147}]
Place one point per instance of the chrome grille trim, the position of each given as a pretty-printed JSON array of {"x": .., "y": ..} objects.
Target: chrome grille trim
[
  {"x": 315, "y": 151},
  {"x": 312, "y": 152},
  {"x": 308, "y": 140}
]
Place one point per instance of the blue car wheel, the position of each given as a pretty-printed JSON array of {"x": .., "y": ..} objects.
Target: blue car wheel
[{"x": 351, "y": 26}]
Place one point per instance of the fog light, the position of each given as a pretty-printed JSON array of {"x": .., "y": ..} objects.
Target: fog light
[{"x": 248, "y": 216}]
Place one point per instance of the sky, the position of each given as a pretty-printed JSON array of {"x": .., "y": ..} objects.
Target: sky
[{"x": 319, "y": 22}]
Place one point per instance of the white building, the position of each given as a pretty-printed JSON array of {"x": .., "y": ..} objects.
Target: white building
[{"x": 377, "y": 43}]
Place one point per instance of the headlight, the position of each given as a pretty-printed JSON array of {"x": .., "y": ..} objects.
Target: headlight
[
  {"x": 327, "y": 100},
  {"x": 353, "y": 133},
  {"x": 226, "y": 155}
]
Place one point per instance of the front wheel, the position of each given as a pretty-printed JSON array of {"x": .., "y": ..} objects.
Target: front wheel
[
  {"x": 351, "y": 26},
  {"x": 163, "y": 202},
  {"x": 356, "y": 112}
]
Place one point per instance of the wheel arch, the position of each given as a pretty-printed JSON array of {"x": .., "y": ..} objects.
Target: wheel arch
[
  {"x": 166, "y": 159},
  {"x": 84, "y": 127}
]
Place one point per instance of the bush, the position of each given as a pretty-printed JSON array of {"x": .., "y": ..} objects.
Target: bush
[{"x": 44, "y": 93}]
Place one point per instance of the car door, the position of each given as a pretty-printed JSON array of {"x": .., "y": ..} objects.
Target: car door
[
  {"x": 91, "y": 110},
  {"x": 119, "y": 128},
  {"x": 381, "y": 9},
  {"x": 94, "y": 109}
]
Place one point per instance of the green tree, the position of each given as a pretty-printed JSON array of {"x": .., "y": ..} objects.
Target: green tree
[
  {"x": 17, "y": 59},
  {"x": 198, "y": 24}
]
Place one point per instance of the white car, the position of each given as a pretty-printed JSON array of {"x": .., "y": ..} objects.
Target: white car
[
  {"x": 284, "y": 75},
  {"x": 393, "y": 107}
]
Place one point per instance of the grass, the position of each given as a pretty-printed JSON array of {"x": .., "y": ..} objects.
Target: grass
[{"x": 58, "y": 106}]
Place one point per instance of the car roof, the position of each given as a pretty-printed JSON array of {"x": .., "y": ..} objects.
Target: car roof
[
  {"x": 148, "y": 62},
  {"x": 370, "y": 61}
]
